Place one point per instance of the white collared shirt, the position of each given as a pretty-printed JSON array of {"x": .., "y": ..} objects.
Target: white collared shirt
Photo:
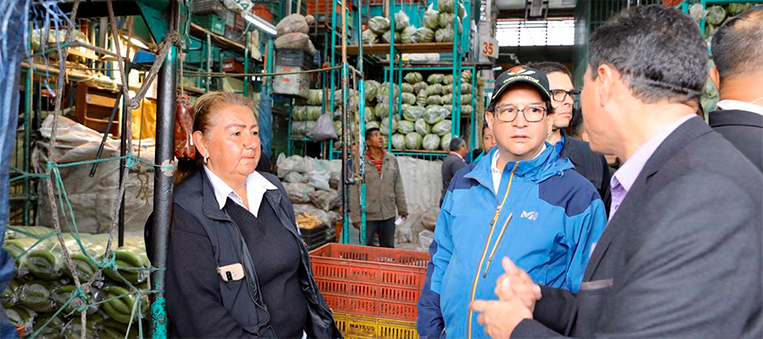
[
  {"x": 740, "y": 105},
  {"x": 497, "y": 173},
  {"x": 256, "y": 186}
]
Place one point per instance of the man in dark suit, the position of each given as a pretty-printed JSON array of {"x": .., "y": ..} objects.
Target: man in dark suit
[
  {"x": 681, "y": 254},
  {"x": 453, "y": 162},
  {"x": 738, "y": 55}
]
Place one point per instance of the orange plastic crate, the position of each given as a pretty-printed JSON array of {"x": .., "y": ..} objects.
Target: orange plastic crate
[
  {"x": 372, "y": 281},
  {"x": 359, "y": 327},
  {"x": 324, "y": 7}
]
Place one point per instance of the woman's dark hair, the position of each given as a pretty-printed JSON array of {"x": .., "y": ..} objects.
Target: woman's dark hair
[{"x": 203, "y": 112}]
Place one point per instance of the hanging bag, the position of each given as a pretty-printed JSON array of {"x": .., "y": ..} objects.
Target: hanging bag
[{"x": 324, "y": 128}]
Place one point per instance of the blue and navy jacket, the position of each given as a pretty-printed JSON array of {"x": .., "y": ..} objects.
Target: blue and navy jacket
[{"x": 550, "y": 220}]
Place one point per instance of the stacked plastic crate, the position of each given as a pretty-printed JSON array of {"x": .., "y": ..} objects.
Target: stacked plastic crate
[{"x": 373, "y": 291}]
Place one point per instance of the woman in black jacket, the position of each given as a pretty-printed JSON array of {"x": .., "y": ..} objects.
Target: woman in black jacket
[{"x": 236, "y": 266}]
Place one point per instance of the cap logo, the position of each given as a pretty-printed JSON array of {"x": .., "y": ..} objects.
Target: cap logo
[{"x": 521, "y": 70}]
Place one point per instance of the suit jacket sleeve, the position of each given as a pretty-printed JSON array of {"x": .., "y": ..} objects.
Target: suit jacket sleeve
[{"x": 685, "y": 281}]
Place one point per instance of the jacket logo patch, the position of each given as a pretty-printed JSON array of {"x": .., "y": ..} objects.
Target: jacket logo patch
[{"x": 529, "y": 215}]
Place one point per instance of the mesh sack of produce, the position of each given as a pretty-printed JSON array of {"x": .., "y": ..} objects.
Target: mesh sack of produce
[
  {"x": 445, "y": 142},
  {"x": 434, "y": 100},
  {"x": 298, "y": 192},
  {"x": 408, "y": 35},
  {"x": 398, "y": 141},
  {"x": 431, "y": 18},
  {"x": 442, "y": 128},
  {"x": 424, "y": 34},
  {"x": 405, "y": 127},
  {"x": 312, "y": 113},
  {"x": 292, "y": 24},
  {"x": 401, "y": 21},
  {"x": 299, "y": 113},
  {"x": 447, "y": 89},
  {"x": 369, "y": 37},
  {"x": 447, "y": 79},
  {"x": 448, "y": 107},
  {"x": 715, "y": 15},
  {"x": 446, "y": 6},
  {"x": 434, "y": 89},
  {"x": 419, "y": 86},
  {"x": 737, "y": 8},
  {"x": 447, "y": 99},
  {"x": 435, "y": 78},
  {"x": 295, "y": 41},
  {"x": 409, "y": 98},
  {"x": 447, "y": 20},
  {"x": 466, "y": 76},
  {"x": 407, "y": 88},
  {"x": 466, "y": 99},
  {"x": 413, "y": 141},
  {"x": 444, "y": 35},
  {"x": 381, "y": 111},
  {"x": 371, "y": 87},
  {"x": 385, "y": 139},
  {"x": 378, "y": 24},
  {"x": 293, "y": 177},
  {"x": 369, "y": 114},
  {"x": 421, "y": 127},
  {"x": 338, "y": 127},
  {"x": 383, "y": 91},
  {"x": 372, "y": 124},
  {"x": 412, "y": 113},
  {"x": 325, "y": 200},
  {"x": 298, "y": 127},
  {"x": 434, "y": 114},
  {"x": 466, "y": 88},
  {"x": 431, "y": 142},
  {"x": 315, "y": 97},
  {"x": 467, "y": 110},
  {"x": 386, "y": 36},
  {"x": 413, "y": 77},
  {"x": 421, "y": 98}
]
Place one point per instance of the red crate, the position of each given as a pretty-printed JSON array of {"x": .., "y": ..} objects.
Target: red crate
[
  {"x": 324, "y": 7},
  {"x": 370, "y": 281}
]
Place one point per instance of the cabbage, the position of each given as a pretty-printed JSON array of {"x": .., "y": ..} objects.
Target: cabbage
[
  {"x": 466, "y": 99},
  {"x": 315, "y": 97},
  {"x": 466, "y": 76},
  {"x": 435, "y": 78},
  {"x": 408, "y": 35},
  {"x": 444, "y": 35},
  {"x": 446, "y": 6},
  {"x": 421, "y": 127},
  {"x": 369, "y": 114},
  {"x": 461, "y": 10},
  {"x": 412, "y": 113},
  {"x": 384, "y": 126},
  {"x": 413, "y": 77},
  {"x": 401, "y": 21},
  {"x": 378, "y": 24},
  {"x": 715, "y": 15},
  {"x": 385, "y": 140},
  {"x": 431, "y": 18},
  {"x": 447, "y": 99},
  {"x": 435, "y": 89},
  {"x": 419, "y": 86},
  {"x": 445, "y": 142},
  {"x": 398, "y": 141},
  {"x": 369, "y": 37},
  {"x": 467, "y": 110},
  {"x": 447, "y": 20},
  {"x": 448, "y": 79},
  {"x": 298, "y": 113},
  {"x": 312, "y": 113},
  {"x": 405, "y": 127},
  {"x": 431, "y": 142},
  {"x": 466, "y": 88},
  {"x": 421, "y": 98},
  {"x": 442, "y": 128},
  {"x": 737, "y": 8},
  {"x": 371, "y": 124},
  {"x": 409, "y": 98},
  {"x": 434, "y": 114},
  {"x": 386, "y": 36},
  {"x": 371, "y": 88},
  {"x": 447, "y": 89},
  {"x": 424, "y": 34},
  {"x": 407, "y": 88},
  {"x": 434, "y": 100},
  {"x": 413, "y": 141},
  {"x": 382, "y": 110},
  {"x": 383, "y": 91}
]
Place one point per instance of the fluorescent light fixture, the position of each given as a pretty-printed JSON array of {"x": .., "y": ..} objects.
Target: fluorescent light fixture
[
  {"x": 137, "y": 43},
  {"x": 261, "y": 24}
]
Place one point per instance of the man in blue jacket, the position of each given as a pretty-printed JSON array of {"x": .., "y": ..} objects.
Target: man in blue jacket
[{"x": 522, "y": 201}]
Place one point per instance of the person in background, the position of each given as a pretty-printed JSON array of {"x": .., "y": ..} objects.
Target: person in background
[
  {"x": 681, "y": 255},
  {"x": 488, "y": 142},
  {"x": 236, "y": 266},
  {"x": 522, "y": 201},
  {"x": 589, "y": 164},
  {"x": 385, "y": 196},
  {"x": 738, "y": 54},
  {"x": 453, "y": 163}
]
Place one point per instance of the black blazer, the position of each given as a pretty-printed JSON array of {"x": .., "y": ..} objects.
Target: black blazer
[
  {"x": 681, "y": 258},
  {"x": 744, "y": 130}
]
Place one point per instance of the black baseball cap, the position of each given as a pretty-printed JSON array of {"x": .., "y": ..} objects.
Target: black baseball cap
[{"x": 521, "y": 74}]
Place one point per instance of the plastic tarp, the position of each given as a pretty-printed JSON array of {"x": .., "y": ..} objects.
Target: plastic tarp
[{"x": 265, "y": 120}]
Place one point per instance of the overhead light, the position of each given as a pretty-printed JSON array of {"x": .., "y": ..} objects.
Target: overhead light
[
  {"x": 137, "y": 43},
  {"x": 261, "y": 24}
]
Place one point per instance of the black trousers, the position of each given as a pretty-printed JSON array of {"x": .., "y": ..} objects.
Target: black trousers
[{"x": 386, "y": 229}]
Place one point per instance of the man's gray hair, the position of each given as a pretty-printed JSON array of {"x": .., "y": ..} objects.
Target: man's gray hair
[{"x": 456, "y": 143}]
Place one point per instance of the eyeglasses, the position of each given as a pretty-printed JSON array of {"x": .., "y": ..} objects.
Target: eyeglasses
[
  {"x": 561, "y": 95},
  {"x": 508, "y": 113}
]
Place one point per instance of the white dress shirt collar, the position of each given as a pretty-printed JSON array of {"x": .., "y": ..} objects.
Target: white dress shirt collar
[
  {"x": 256, "y": 186},
  {"x": 497, "y": 173},
  {"x": 740, "y": 105}
]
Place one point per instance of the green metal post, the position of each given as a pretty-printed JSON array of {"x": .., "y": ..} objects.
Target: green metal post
[
  {"x": 209, "y": 61},
  {"x": 246, "y": 63},
  {"x": 289, "y": 139},
  {"x": 391, "y": 71},
  {"x": 362, "y": 138},
  {"x": 27, "y": 112}
]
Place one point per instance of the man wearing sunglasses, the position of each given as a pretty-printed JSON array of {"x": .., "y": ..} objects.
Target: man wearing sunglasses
[
  {"x": 563, "y": 95},
  {"x": 522, "y": 201}
]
